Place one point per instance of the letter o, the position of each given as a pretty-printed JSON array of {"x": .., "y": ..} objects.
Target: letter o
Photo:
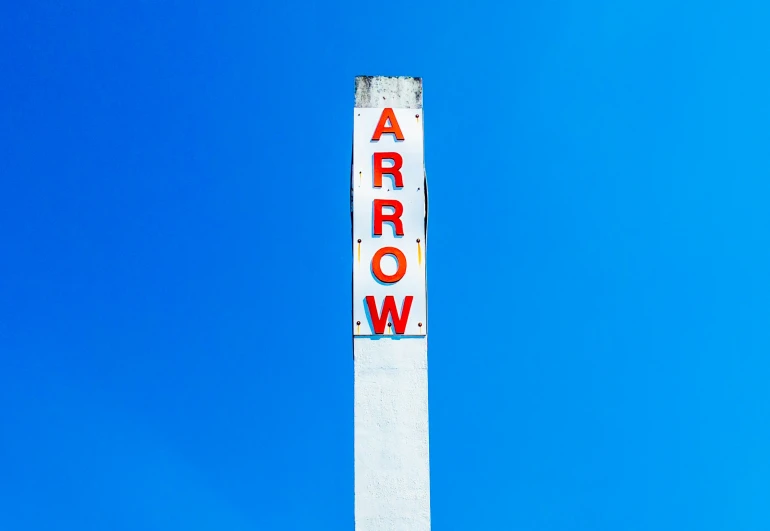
[{"x": 377, "y": 270}]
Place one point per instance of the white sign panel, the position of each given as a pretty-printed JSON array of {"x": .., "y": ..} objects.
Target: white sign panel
[{"x": 389, "y": 223}]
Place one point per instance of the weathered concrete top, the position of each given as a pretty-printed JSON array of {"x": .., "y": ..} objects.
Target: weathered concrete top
[{"x": 385, "y": 91}]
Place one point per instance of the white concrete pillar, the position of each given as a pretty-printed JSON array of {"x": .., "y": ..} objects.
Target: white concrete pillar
[{"x": 392, "y": 472}]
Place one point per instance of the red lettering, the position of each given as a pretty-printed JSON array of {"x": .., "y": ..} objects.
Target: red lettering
[
  {"x": 393, "y": 171},
  {"x": 395, "y": 218},
  {"x": 389, "y": 308},
  {"x": 383, "y": 128}
]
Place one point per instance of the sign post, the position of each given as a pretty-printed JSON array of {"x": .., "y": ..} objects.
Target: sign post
[{"x": 389, "y": 240}]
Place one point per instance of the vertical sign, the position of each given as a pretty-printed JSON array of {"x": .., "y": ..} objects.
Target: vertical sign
[
  {"x": 389, "y": 202},
  {"x": 389, "y": 222}
]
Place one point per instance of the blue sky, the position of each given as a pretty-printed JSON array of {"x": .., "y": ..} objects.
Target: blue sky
[{"x": 175, "y": 346}]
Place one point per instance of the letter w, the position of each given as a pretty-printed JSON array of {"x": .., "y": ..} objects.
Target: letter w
[{"x": 389, "y": 307}]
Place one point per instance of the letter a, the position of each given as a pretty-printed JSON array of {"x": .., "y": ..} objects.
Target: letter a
[{"x": 388, "y": 116}]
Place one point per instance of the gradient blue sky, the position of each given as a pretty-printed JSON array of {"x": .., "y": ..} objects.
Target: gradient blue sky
[{"x": 175, "y": 264}]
